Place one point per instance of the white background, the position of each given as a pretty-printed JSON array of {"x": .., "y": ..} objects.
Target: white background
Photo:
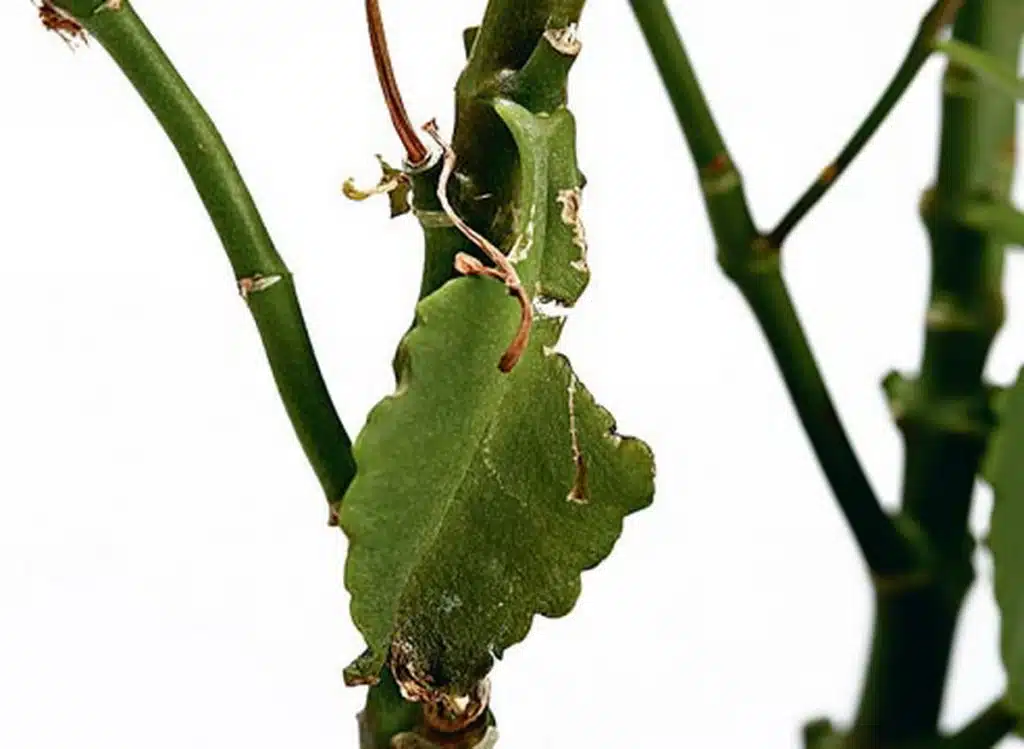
[{"x": 167, "y": 578}]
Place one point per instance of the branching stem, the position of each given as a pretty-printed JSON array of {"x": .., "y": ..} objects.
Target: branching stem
[
  {"x": 920, "y": 584},
  {"x": 753, "y": 264},
  {"x": 941, "y": 15}
]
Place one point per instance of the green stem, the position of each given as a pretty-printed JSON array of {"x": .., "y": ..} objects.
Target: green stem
[
  {"x": 945, "y": 414},
  {"x": 986, "y": 730},
  {"x": 503, "y": 44},
  {"x": 940, "y": 16},
  {"x": 753, "y": 264},
  {"x": 509, "y": 32},
  {"x": 386, "y": 715},
  {"x": 262, "y": 276}
]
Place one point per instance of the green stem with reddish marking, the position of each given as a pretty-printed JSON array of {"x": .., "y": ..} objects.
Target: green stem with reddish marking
[
  {"x": 940, "y": 16},
  {"x": 944, "y": 415},
  {"x": 753, "y": 265},
  {"x": 262, "y": 276}
]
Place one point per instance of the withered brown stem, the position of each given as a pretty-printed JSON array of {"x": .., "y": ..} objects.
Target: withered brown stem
[{"x": 416, "y": 152}]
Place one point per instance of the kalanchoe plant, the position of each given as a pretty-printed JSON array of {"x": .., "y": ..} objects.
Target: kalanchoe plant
[{"x": 439, "y": 586}]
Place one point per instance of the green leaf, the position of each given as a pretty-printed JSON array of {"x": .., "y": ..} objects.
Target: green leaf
[
  {"x": 1004, "y": 470},
  {"x": 479, "y": 496},
  {"x": 984, "y": 66}
]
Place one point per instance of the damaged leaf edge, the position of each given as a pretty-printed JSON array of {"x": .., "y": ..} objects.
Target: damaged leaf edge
[{"x": 364, "y": 669}]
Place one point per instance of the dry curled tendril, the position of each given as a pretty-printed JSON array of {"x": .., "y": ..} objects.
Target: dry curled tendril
[
  {"x": 396, "y": 184},
  {"x": 468, "y": 265}
]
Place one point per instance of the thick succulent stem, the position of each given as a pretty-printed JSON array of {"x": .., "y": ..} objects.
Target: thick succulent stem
[
  {"x": 510, "y": 34},
  {"x": 944, "y": 414},
  {"x": 753, "y": 265},
  {"x": 522, "y": 51},
  {"x": 263, "y": 279}
]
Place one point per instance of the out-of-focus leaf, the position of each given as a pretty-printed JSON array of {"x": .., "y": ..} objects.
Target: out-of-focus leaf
[
  {"x": 1004, "y": 470},
  {"x": 984, "y": 66}
]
